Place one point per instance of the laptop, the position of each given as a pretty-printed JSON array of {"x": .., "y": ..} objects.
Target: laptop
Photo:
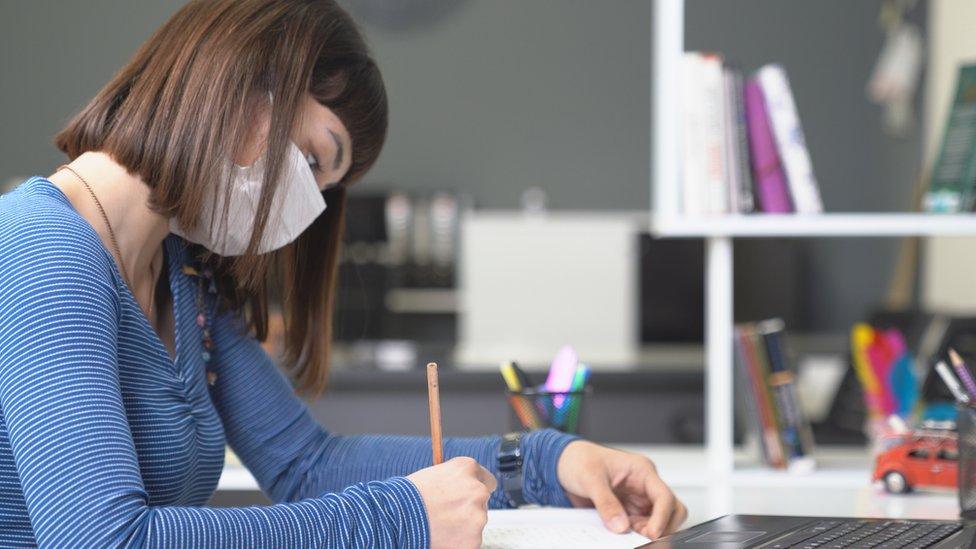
[{"x": 773, "y": 532}]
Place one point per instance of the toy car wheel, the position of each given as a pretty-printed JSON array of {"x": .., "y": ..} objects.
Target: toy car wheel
[{"x": 896, "y": 483}]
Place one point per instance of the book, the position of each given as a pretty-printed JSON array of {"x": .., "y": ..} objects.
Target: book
[
  {"x": 737, "y": 143},
  {"x": 705, "y": 190},
  {"x": 772, "y": 195},
  {"x": 728, "y": 133},
  {"x": 795, "y": 430},
  {"x": 692, "y": 135},
  {"x": 790, "y": 142},
  {"x": 953, "y": 185},
  {"x": 714, "y": 142},
  {"x": 778, "y": 456}
]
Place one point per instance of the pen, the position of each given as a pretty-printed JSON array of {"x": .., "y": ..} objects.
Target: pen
[
  {"x": 951, "y": 382},
  {"x": 434, "y": 403},
  {"x": 963, "y": 372},
  {"x": 515, "y": 380},
  {"x": 579, "y": 385}
]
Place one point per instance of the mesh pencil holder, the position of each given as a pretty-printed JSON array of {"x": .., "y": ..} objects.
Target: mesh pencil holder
[
  {"x": 536, "y": 409},
  {"x": 966, "y": 425}
]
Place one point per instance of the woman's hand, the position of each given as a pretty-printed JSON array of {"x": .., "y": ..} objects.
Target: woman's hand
[
  {"x": 455, "y": 494},
  {"x": 625, "y": 489}
]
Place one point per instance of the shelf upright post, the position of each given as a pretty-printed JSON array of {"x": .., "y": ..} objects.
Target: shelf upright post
[
  {"x": 718, "y": 357},
  {"x": 668, "y": 27}
]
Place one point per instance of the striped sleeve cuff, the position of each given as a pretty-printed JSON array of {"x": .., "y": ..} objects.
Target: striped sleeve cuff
[
  {"x": 408, "y": 513},
  {"x": 387, "y": 513},
  {"x": 541, "y": 451}
]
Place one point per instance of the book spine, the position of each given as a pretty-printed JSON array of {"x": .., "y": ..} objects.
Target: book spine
[
  {"x": 746, "y": 201},
  {"x": 768, "y": 430},
  {"x": 792, "y": 147},
  {"x": 729, "y": 111},
  {"x": 747, "y": 401},
  {"x": 713, "y": 125},
  {"x": 795, "y": 429},
  {"x": 767, "y": 173},
  {"x": 692, "y": 140},
  {"x": 950, "y": 191},
  {"x": 755, "y": 352}
]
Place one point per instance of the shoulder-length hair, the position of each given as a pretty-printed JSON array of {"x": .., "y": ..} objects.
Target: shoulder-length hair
[{"x": 183, "y": 107}]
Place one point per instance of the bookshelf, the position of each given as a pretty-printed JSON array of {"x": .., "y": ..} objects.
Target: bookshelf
[{"x": 718, "y": 233}]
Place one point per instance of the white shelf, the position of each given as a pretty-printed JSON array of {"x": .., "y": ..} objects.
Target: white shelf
[{"x": 820, "y": 225}]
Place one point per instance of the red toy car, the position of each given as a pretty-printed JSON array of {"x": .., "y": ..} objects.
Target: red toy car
[{"x": 919, "y": 459}]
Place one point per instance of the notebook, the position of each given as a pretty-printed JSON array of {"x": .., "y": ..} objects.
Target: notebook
[{"x": 546, "y": 527}]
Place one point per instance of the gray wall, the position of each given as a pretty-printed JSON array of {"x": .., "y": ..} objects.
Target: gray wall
[
  {"x": 54, "y": 56},
  {"x": 503, "y": 94}
]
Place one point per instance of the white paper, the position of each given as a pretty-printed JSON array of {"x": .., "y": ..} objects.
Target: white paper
[{"x": 556, "y": 528}]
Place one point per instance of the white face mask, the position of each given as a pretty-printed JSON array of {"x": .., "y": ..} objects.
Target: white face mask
[{"x": 296, "y": 204}]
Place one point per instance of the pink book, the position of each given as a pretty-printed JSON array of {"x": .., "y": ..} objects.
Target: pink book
[{"x": 767, "y": 171}]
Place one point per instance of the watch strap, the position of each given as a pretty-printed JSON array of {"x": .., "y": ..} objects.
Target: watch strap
[{"x": 510, "y": 468}]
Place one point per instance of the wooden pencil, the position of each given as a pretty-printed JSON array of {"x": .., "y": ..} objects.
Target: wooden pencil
[{"x": 434, "y": 403}]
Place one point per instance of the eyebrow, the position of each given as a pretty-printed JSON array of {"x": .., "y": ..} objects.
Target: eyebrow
[{"x": 340, "y": 150}]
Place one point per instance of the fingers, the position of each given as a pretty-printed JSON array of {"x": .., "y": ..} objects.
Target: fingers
[
  {"x": 663, "y": 507},
  {"x": 678, "y": 518},
  {"x": 608, "y": 506},
  {"x": 473, "y": 468},
  {"x": 488, "y": 479}
]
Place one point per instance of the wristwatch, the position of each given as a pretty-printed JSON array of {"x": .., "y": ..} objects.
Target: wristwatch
[{"x": 510, "y": 468}]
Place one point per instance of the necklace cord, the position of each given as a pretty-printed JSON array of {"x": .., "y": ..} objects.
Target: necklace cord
[{"x": 111, "y": 236}]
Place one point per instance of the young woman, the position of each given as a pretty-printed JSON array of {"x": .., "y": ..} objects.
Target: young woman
[{"x": 207, "y": 176}]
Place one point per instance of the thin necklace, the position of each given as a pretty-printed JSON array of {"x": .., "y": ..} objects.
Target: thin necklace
[{"x": 115, "y": 242}]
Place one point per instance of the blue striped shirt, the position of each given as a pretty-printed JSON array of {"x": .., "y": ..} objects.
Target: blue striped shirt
[{"x": 105, "y": 440}]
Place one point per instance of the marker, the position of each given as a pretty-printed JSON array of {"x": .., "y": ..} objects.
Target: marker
[
  {"x": 569, "y": 413},
  {"x": 963, "y": 372},
  {"x": 951, "y": 382},
  {"x": 516, "y": 381},
  {"x": 561, "y": 374}
]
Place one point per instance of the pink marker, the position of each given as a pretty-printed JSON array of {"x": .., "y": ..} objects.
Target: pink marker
[{"x": 561, "y": 373}]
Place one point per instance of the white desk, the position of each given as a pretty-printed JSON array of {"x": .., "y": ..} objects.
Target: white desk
[{"x": 841, "y": 487}]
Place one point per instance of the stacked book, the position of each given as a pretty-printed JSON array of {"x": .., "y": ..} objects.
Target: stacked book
[
  {"x": 743, "y": 149},
  {"x": 766, "y": 382}
]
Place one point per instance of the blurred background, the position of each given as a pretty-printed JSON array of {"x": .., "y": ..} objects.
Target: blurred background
[{"x": 508, "y": 214}]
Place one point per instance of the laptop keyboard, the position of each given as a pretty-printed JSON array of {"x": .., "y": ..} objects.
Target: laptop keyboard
[{"x": 858, "y": 534}]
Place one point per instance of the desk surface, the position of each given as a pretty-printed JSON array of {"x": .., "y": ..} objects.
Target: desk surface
[{"x": 841, "y": 488}]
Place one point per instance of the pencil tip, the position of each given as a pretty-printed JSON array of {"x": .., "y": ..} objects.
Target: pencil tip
[
  {"x": 954, "y": 356},
  {"x": 431, "y": 365}
]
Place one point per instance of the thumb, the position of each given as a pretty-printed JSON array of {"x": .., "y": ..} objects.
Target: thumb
[{"x": 609, "y": 507}]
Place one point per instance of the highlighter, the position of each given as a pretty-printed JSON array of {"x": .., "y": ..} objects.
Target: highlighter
[{"x": 561, "y": 374}]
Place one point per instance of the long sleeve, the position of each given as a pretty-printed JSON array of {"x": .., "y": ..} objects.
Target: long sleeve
[
  {"x": 293, "y": 457},
  {"x": 65, "y": 417}
]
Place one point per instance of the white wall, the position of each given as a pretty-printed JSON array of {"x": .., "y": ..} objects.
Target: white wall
[{"x": 949, "y": 266}]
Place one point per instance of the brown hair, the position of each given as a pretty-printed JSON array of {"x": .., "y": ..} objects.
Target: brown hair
[{"x": 183, "y": 106}]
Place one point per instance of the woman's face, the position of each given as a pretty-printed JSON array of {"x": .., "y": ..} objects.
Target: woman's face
[{"x": 319, "y": 134}]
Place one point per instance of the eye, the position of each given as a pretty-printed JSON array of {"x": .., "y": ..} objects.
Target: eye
[{"x": 313, "y": 162}]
